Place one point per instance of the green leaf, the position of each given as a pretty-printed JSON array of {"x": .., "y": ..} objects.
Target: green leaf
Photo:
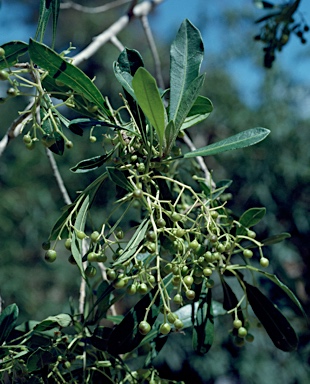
[
  {"x": 148, "y": 98},
  {"x": 8, "y": 320},
  {"x": 47, "y": 7},
  {"x": 285, "y": 289},
  {"x": 77, "y": 125},
  {"x": 41, "y": 358},
  {"x": 118, "y": 177},
  {"x": 241, "y": 140},
  {"x": 79, "y": 224},
  {"x": 62, "y": 70},
  {"x": 88, "y": 165},
  {"x": 276, "y": 238},
  {"x": 199, "y": 112},
  {"x": 221, "y": 186},
  {"x": 170, "y": 136},
  {"x": 250, "y": 218},
  {"x": 59, "y": 321},
  {"x": 125, "y": 68},
  {"x": 13, "y": 50},
  {"x": 126, "y": 336},
  {"x": 133, "y": 244},
  {"x": 230, "y": 300},
  {"x": 186, "y": 56},
  {"x": 275, "y": 323},
  {"x": 203, "y": 332},
  {"x": 59, "y": 225}
]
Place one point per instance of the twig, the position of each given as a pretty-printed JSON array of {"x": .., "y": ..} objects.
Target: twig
[
  {"x": 139, "y": 10},
  {"x": 16, "y": 127},
  {"x": 151, "y": 41},
  {"x": 58, "y": 177},
  {"x": 202, "y": 164},
  {"x": 114, "y": 40},
  {"x": 101, "y": 8}
]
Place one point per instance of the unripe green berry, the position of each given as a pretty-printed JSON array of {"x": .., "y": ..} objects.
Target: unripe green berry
[
  {"x": 2, "y": 52},
  {"x": 242, "y": 332},
  {"x": 251, "y": 234},
  {"x": 90, "y": 271},
  {"x": 178, "y": 324},
  {"x": 137, "y": 193},
  {"x": 27, "y": 139},
  {"x": 80, "y": 235},
  {"x": 237, "y": 323},
  {"x": 4, "y": 75},
  {"x": 144, "y": 327},
  {"x": 188, "y": 280},
  {"x": 95, "y": 236},
  {"x": 171, "y": 317},
  {"x": 68, "y": 243},
  {"x": 194, "y": 245},
  {"x": 264, "y": 262},
  {"x": 177, "y": 299},
  {"x": 92, "y": 139},
  {"x": 50, "y": 255},
  {"x": 207, "y": 272},
  {"x": 69, "y": 144},
  {"x": 247, "y": 253},
  {"x": 190, "y": 294},
  {"x": 92, "y": 257},
  {"x": 131, "y": 289},
  {"x": 165, "y": 328},
  {"x": 111, "y": 274},
  {"x": 175, "y": 217},
  {"x": 161, "y": 223},
  {"x": 142, "y": 288}
]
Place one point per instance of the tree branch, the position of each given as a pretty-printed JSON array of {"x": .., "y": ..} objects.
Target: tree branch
[
  {"x": 139, "y": 10},
  {"x": 101, "y": 8}
]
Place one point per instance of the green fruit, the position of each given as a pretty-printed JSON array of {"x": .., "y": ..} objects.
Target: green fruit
[
  {"x": 237, "y": 323},
  {"x": 264, "y": 262},
  {"x": 131, "y": 289},
  {"x": 161, "y": 223},
  {"x": 120, "y": 283},
  {"x": 92, "y": 257},
  {"x": 213, "y": 238},
  {"x": 188, "y": 281},
  {"x": 177, "y": 299},
  {"x": 207, "y": 272},
  {"x": 144, "y": 327},
  {"x": 50, "y": 255},
  {"x": 178, "y": 324},
  {"x": 95, "y": 236},
  {"x": 151, "y": 236},
  {"x": 12, "y": 92},
  {"x": 119, "y": 233},
  {"x": 142, "y": 288},
  {"x": 180, "y": 232},
  {"x": 71, "y": 260},
  {"x": 210, "y": 283},
  {"x": 168, "y": 268},
  {"x": 90, "y": 271},
  {"x": 165, "y": 328},
  {"x": 2, "y": 52},
  {"x": 92, "y": 139},
  {"x": 194, "y": 245},
  {"x": 137, "y": 193},
  {"x": 171, "y": 317},
  {"x": 190, "y": 294},
  {"x": 102, "y": 257},
  {"x": 175, "y": 217},
  {"x": 92, "y": 108},
  {"x": 68, "y": 243},
  {"x": 247, "y": 253},
  {"x": 80, "y": 235},
  {"x": 220, "y": 247},
  {"x": 30, "y": 145},
  {"x": 251, "y": 234},
  {"x": 111, "y": 274},
  {"x": 46, "y": 245},
  {"x": 4, "y": 75},
  {"x": 141, "y": 168},
  {"x": 242, "y": 332},
  {"x": 27, "y": 139}
]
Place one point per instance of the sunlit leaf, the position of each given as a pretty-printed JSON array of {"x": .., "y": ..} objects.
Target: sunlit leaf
[
  {"x": 66, "y": 73},
  {"x": 199, "y": 112},
  {"x": 60, "y": 321},
  {"x": 241, "y": 140},
  {"x": 148, "y": 97}
]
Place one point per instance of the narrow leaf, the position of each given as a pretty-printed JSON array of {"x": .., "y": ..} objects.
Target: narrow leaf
[
  {"x": 77, "y": 125},
  {"x": 203, "y": 332},
  {"x": 148, "y": 97},
  {"x": 134, "y": 242},
  {"x": 275, "y": 323},
  {"x": 62, "y": 70},
  {"x": 8, "y": 320},
  {"x": 276, "y": 238},
  {"x": 241, "y": 140},
  {"x": 13, "y": 50},
  {"x": 186, "y": 56},
  {"x": 250, "y": 218},
  {"x": 91, "y": 164},
  {"x": 118, "y": 177},
  {"x": 221, "y": 186},
  {"x": 199, "y": 112},
  {"x": 285, "y": 289}
]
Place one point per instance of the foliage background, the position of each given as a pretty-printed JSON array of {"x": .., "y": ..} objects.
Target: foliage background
[{"x": 274, "y": 174}]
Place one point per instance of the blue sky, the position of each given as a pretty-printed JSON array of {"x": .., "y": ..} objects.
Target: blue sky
[{"x": 166, "y": 21}]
